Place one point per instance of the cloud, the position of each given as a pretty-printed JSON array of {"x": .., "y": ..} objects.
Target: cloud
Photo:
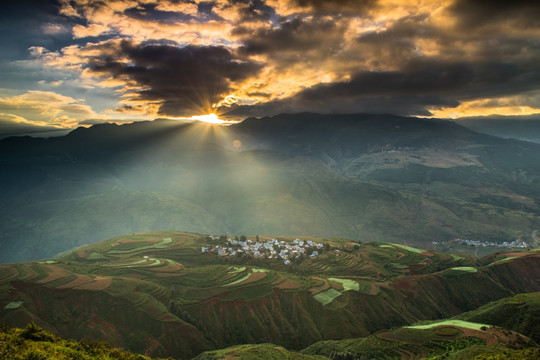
[
  {"x": 54, "y": 29},
  {"x": 12, "y": 125},
  {"x": 179, "y": 79},
  {"x": 476, "y": 13},
  {"x": 418, "y": 88},
  {"x": 415, "y": 57},
  {"x": 45, "y": 108},
  {"x": 108, "y": 121},
  {"x": 296, "y": 35},
  {"x": 80, "y": 31},
  {"x": 524, "y": 104},
  {"x": 322, "y": 7}
]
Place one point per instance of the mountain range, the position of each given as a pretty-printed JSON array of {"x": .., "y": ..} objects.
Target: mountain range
[
  {"x": 525, "y": 128},
  {"x": 423, "y": 182}
]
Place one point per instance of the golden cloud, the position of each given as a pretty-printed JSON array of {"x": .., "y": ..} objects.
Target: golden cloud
[
  {"x": 300, "y": 46},
  {"x": 46, "y": 108}
]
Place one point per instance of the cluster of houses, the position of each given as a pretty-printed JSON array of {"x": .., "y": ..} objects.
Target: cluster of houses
[
  {"x": 272, "y": 249},
  {"x": 505, "y": 244},
  {"x": 393, "y": 149}
]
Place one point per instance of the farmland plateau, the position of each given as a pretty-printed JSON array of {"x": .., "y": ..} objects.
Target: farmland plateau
[{"x": 159, "y": 294}]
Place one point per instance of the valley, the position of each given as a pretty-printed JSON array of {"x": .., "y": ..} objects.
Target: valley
[{"x": 419, "y": 182}]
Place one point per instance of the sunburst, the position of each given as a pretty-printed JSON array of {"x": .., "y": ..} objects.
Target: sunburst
[{"x": 210, "y": 118}]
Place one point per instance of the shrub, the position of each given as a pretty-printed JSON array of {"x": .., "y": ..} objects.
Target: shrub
[
  {"x": 35, "y": 355},
  {"x": 35, "y": 333}
]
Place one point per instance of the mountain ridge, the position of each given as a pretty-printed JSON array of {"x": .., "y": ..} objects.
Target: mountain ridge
[{"x": 426, "y": 182}]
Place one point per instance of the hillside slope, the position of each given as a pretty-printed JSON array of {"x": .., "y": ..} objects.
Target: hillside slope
[
  {"x": 439, "y": 340},
  {"x": 519, "y": 313},
  {"x": 383, "y": 178},
  {"x": 32, "y": 342},
  {"x": 141, "y": 291}
]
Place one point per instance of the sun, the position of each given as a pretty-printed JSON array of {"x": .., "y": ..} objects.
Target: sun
[{"x": 210, "y": 118}]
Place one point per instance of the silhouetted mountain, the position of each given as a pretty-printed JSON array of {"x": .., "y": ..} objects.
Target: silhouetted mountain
[
  {"x": 526, "y": 128},
  {"x": 367, "y": 177}
]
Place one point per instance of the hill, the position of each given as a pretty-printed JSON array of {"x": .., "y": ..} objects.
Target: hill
[
  {"x": 439, "y": 340},
  {"x": 32, "y": 342},
  {"x": 426, "y": 183},
  {"x": 443, "y": 339},
  {"x": 432, "y": 157},
  {"x": 256, "y": 352},
  {"x": 178, "y": 294},
  {"x": 519, "y": 313}
]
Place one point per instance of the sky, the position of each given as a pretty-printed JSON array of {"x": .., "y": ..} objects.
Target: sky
[{"x": 67, "y": 63}]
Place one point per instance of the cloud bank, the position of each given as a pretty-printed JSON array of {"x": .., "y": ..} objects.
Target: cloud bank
[{"x": 254, "y": 57}]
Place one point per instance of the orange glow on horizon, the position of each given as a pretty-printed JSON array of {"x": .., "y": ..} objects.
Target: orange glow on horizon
[
  {"x": 213, "y": 119},
  {"x": 210, "y": 118}
]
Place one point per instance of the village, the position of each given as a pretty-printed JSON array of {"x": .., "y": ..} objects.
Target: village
[
  {"x": 505, "y": 244},
  {"x": 272, "y": 249}
]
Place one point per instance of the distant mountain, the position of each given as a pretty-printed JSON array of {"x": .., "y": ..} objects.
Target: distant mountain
[
  {"x": 160, "y": 294},
  {"x": 526, "y": 128},
  {"x": 367, "y": 177},
  {"x": 425, "y": 156},
  {"x": 9, "y": 128}
]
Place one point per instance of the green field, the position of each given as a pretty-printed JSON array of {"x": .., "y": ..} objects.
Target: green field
[
  {"x": 460, "y": 323},
  {"x": 244, "y": 278},
  {"x": 409, "y": 248},
  {"x": 326, "y": 297},
  {"x": 468, "y": 269},
  {"x": 348, "y": 284}
]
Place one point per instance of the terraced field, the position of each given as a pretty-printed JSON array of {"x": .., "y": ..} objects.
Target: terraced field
[
  {"x": 441, "y": 340},
  {"x": 158, "y": 294}
]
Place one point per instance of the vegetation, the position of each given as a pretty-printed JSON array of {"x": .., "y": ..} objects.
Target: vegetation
[
  {"x": 519, "y": 313},
  {"x": 157, "y": 293},
  {"x": 256, "y": 352},
  {"x": 524, "y": 354},
  {"x": 442, "y": 341},
  {"x": 460, "y": 323},
  {"x": 34, "y": 343}
]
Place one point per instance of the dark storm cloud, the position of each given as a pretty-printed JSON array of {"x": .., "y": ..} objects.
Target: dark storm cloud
[
  {"x": 420, "y": 79},
  {"x": 406, "y": 57},
  {"x": 336, "y": 6},
  {"x": 522, "y": 13},
  {"x": 180, "y": 79},
  {"x": 427, "y": 83},
  {"x": 414, "y": 89},
  {"x": 294, "y": 35}
]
